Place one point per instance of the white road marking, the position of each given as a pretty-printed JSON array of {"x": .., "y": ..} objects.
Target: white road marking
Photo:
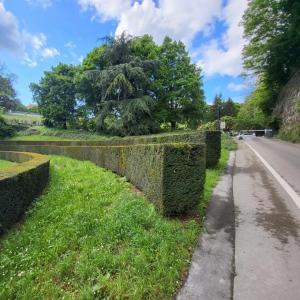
[{"x": 295, "y": 197}]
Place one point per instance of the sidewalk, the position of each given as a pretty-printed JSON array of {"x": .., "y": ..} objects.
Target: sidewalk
[{"x": 211, "y": 271}]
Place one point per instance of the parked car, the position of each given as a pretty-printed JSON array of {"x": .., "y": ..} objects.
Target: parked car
[{"x": 240, "y": 137}]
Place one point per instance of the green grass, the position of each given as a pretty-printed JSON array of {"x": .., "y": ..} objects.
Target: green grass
[
  {"x": 22, "y": 118},
  {"x": 42, "y": 133},
  {"x": 91, "y": 237},
  {"x": 5, "y": 163}
]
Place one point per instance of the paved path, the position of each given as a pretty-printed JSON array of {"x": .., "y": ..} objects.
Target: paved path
[
  {"x": 210, "y": 274},
  {"x": 267, "y": 236},
  {"x": 250, "y": 249}
]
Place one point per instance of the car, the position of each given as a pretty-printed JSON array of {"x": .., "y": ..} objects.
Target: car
[{"x": 240, "y": 137}]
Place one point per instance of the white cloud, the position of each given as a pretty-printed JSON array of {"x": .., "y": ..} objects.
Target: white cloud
[
  {"x": 224, "y": 56},
  {"x": 175, "y": 18},
  {"x": 43, "y": 3},
  {"x": 70, "y": 45},
  {"x": 49, "y": 52},
  {"x": 9, "y": 32},
  {"x": 183, "y": 20},
  {"x": 106, "y": 9},
  {"x": 29, "y": 47},
  {"x": 236, "y": 87}
]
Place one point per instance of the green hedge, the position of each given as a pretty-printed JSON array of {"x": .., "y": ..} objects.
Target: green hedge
[
  {"x": 213, "y": 148},
  {"x": 171, "y": 175},
  {"x": 211, "y": 138},
  {"x": 20, "y": 185}
]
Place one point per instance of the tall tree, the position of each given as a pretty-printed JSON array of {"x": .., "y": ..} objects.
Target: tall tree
[
  {"x": 229, "y": 108},
  {"x": 178, "y": 86},
  {"x": 8, "y": 94},
  {"x": 272, "y": 51},
  {"x": 55, "y": 95},
  {"x": 125, "y": 106}
]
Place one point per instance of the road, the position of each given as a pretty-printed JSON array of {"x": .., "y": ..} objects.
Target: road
[{"x": 267, "y": 235}]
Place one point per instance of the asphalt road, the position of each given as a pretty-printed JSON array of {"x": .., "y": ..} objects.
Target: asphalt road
[
  {"x": 282, "y": 156},
  {"x": 267, "y": 235}
]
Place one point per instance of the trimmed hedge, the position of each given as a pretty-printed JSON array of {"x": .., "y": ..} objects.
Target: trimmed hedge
[
  {"x": 212, "y": 139},
  {"x": 171, "y": 175},
  {"x": 20, "y": 185},
  {"x": 213, "y": 148}
]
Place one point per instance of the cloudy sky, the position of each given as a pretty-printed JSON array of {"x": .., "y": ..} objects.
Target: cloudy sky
[{"x": 37, "y": 34}]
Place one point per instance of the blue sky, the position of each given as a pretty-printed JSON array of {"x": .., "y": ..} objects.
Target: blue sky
[{"x": 37, "y": 34}]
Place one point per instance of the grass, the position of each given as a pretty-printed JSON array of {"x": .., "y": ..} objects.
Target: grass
[
  {"x": 5, "y": 163},
  {"x": 42, "y": 133},
  {"x": 213, "y": 174},
  {"x": 91, "y": 237},
  {"x": 22, "y": 118}
]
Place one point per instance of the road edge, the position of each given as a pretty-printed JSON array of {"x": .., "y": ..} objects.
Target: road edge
[{"x": 211, "y": 273}]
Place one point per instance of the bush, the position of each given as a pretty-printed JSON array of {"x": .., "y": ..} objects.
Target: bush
[
  {"x": 171, "y": 175},
  {"x": 5, "y": 129},
  {"x": 213, "y": 148},
  {"x": 20, "y": 184}
]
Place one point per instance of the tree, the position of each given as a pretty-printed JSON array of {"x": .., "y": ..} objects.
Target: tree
[
  {"x": 125, "y": 105},
  {"x": 55, "y": 95},
  {"x": 272, "y": 51},
  {"x": 251, "y": 116},
  {"x": 179, "y": 92},
  {"x": 8, "y": 95},
  {"x": 230, "y": 108}
]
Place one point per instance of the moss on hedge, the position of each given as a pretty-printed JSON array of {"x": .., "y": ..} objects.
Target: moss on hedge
[
  {"x": 211, "y": 138},
  {"x": 171, "y": 175},
  {"x": 20, "y": 185}
]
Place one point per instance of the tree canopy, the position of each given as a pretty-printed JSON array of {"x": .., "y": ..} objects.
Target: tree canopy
[
  {"x": 273, "y": 44},
  {"x": 56, "y": 95}
]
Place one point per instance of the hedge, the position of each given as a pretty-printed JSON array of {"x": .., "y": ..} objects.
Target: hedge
[
  {"x": 171, "y": 175},
  {"x": 211, "y": 138},
  {"x": 20, "y": 185},
  {"x": 213, "y": 148}
]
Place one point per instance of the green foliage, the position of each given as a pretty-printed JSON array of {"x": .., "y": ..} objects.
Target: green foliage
[
  {"x": 146, "y": 165},
  {"x": 5, "y": 163},
  {"x": 272, "y": 52},
  {"x": 8, "y": 95},
  {"x": 5, "y": 129},
  {"x": 55, "y": 95},
  {"x": 20, "y": 185},
  {"x": 213, "y": 148},
  {"x": 213, "y": 174},
  {"x": 178, "y": 86},
  {"x": 124, "y": 104},
  {"x": 221, "y": 108},
  {"x": 251, "y": 114},
  {"x": 91, "y": 237}
]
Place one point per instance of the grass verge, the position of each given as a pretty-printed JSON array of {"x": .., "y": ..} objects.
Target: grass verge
[
  {"x": 213, "y": 174},
  {"x": 90, "y": 237}
]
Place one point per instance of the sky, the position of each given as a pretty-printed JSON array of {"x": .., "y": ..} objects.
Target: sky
[{"x": 38, "y": 34}]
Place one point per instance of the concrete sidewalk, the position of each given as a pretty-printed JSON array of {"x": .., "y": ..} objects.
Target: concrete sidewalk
[{"x": 211, "y": 271}]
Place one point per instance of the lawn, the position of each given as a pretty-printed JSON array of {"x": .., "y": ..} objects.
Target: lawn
[
  {"x": 22, "y": 118},
  {"x": 91, "y": 237},
  {"x": 5, "y": 163}
]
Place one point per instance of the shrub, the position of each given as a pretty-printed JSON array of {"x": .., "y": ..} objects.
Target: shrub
[
  {"x": 5, "y": 129},
  {"x": 20, "y": 184},
  {"x": 171, "y": 175}
]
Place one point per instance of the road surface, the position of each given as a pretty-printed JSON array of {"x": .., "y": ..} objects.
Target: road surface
[{"x": 267, "y": 235}]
